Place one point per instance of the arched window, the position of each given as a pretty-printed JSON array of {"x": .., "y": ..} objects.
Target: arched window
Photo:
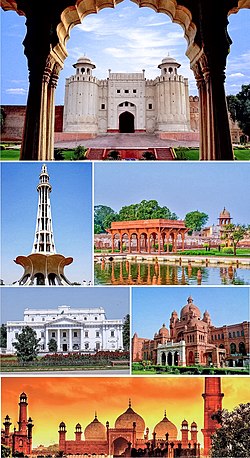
[
  {"x": 242, "y": 348},
  {"x": 163, "y": 359},
  {"x": 232, "y": 348},
  {"x": 170, "y": 359}
]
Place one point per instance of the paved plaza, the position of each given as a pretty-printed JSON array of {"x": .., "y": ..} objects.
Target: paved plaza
[{"x": 135, "y": 140}]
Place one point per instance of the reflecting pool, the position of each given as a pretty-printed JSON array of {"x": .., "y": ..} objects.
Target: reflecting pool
[{"x": 151, "y": 273}]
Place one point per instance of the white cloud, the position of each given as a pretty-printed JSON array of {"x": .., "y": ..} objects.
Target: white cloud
[
  {"x": 236, "y": 75},
  {"x": 16, "y": 91}
]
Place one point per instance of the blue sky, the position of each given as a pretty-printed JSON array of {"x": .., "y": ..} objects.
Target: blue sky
[
  {"x": 71, "y": 215},
  {"x": 182, "y": 187},
  {"x": 126, "y": 38},
  {"x": 151, "y": 307},
  {"x": 115, "y": 301}
]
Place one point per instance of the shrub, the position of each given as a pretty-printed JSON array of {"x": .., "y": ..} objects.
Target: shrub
[{"x": 228, "y": 250}]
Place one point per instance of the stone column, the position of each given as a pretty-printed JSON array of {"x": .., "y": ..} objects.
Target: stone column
[
  {"x": 120, "y": 243},
  {"x": 112, "y": 243},
  {"x": 43, "y": 50},
  {"x": 81, "y": 339},
  {"x": 70, "y": 339},
  {"x": 209, "y": 68},
  {"x": 183, "y": 240},
  {"x": 46, "y": 339},
  {"x": 58, "y": 340}
]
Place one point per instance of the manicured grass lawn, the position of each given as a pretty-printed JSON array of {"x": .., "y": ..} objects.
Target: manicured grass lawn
[
  {"x": 193, "y": 154},
  {"x": 60, "y": 368},
  {"x": 10, "y": 155},
  {"x": 240, "y": 252}
]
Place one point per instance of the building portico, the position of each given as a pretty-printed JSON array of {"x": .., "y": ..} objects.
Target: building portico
[{"x": 72, "y": 329}]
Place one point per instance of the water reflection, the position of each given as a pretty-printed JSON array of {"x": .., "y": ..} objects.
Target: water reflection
[{"x": 155, "y": 273}]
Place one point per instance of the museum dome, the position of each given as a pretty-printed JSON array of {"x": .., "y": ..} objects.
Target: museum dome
[
  {"x": 95, "y": 430},
  {"x": 169, "y": 61},
  {"x": 165, "y": 426},
  {"x": 225, "y": 213},
  {"x": 126, "y": 420},
  {"x": 189, "y": 308},
  {"x": 163, "y": 331}
]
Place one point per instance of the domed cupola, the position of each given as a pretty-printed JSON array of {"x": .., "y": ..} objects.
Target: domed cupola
[
  {"x": 163, "y": 332},
  {"x": 169, "y": 66},
  {"x": 95, "y": 431},
  {"x": 84, "y": 66},
  {"x": 165, "y": 427},
  {"x": 225, "y": 213},
  {"x": 206, "y": 317},
  {"x": 190, "y": 311},
  {"x": 126, "y": 420}
]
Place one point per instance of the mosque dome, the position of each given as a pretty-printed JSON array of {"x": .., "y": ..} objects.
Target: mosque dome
[
  {"x": 126, "y": 420},
  {"x": 163, "y": 331},
  {"x": 225, "y": 213},
  {"x": 188, "y": 308},
  {"x": 165, "y": 426},
  {"x": 95, "y": 431}
]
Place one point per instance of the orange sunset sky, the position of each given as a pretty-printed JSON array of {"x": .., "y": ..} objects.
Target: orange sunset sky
[{"x": 72, "y": 400}]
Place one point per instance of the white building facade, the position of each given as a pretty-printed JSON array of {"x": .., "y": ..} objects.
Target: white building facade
[
  {"x": 126, "y": 102},
  {"x": 74, "y": 329}
]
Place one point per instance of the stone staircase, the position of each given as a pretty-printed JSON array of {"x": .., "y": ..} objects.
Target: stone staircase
[
  {"x": 164, "y": 154},
  {"x": 95, "y": 154}
]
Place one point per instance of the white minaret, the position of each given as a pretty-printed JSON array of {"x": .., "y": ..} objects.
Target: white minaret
[{"x": 44, "y": 238}]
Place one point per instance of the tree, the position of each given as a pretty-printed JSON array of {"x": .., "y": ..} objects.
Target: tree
[
  {"x": 100, "y": 213},
  {"x": 52, "y": 345},
  {"x": 232, "y": 438},
  {"x": 196, "y": 220},
  {"x": 79, "y": 153},
  {"x": 146, "y": 209},
  {"x": 109, "y": 219},
  {"x": 58, "y": 154},
  {"x": 233, "y": 234},
  {"x": 126, "y": 333},
  {"x": 27, "y": 345},
  {"x": 3, "y": 336},
  {"x": 239, "y": 108},
  {"x": 5, "y": 451},
  {"x": 114, "y": 155}
]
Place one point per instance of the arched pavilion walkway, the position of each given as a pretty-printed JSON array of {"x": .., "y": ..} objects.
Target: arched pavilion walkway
[
  {"x": 147, "y": 236},
  {"x": 48, "y": 29}
]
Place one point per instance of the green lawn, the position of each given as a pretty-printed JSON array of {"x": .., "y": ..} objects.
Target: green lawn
[
  {"x": 10, "y": 155},
  {"x": 191, "y": 154}
]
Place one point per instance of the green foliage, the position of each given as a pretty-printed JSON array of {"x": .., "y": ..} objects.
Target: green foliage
[
  {"x": 148, "y": 156},
  {"x": 2, "y": 118},
  {"x": 114, "y": 155},
  {"x": 227, "y": 250},
  {"x": 232, "y": 438},
  {"x": 3, "y": 336},
  {"x": 5, "y": 451},
  {"x": 27, "y": 345},
  {"x": 58, "y": 154},
  {"x": 239, "y": 108},
  {"x": 108, "y": 220},
  {"x": 79, "y": 153},
  {"x": 146, "y": 209},
  {"x": 52, "y": 345},
  {"x": 234, "y": 233},
  {"x": 101, "y": 212},
  {"x": 196, "y": 220},
  {"x": 181, "y": 155},
  {"x": 126, "y": 333}
]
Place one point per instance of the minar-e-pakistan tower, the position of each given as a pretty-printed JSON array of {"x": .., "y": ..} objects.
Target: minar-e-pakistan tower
[{"x": 44, "y": 266}]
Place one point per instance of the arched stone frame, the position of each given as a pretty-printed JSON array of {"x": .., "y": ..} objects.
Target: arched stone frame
[
  {"x": 170, "y": 359},
  {"x": 124, "y": 242},
  {"x": 163, "y": 359},
  {"x": 152, "y": 241},
  {"x": 131, "y": 108},
  {"x": 133, "y": 236},
  {"x": 233, "y": 348},
  {"x": 242, "y": 349},
  {"x": 115, "y": 442},
  {"x": 143, "y": 241},
  {"x": 45, "y": 49},
  {"x": 191, "y": 359}
]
